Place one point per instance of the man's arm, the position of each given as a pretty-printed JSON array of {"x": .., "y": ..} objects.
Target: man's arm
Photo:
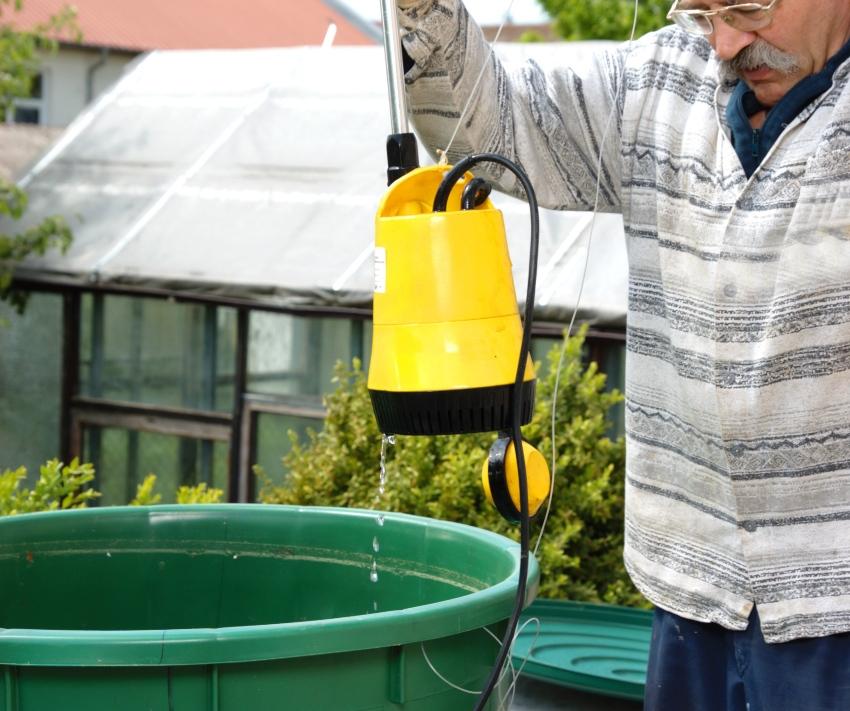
[{"x": 550, "y": 120}]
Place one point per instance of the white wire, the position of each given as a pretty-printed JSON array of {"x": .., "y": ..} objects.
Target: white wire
[
  {"x": 442, "y": 678},
  {"x": 582, "y": 281},
  {"x": 444, "y": 159},
  {"x": 507, "y": 667},
  {"x": 511, "y": 690},
  {"x": 452, "y": 684},
  {"x": 444, "y": 155}
]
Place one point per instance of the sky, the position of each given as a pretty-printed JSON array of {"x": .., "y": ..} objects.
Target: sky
[{"x": 489, "y": 12}]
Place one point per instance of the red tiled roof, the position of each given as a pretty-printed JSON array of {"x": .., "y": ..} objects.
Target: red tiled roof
[{"x": 194, "y": 24}]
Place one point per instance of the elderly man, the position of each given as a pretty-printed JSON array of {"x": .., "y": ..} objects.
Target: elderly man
[{"x": 725, "y": 143}]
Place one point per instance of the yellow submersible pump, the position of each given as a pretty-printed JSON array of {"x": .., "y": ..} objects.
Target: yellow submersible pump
[
  {"x": 447, "y": 335},
  {"x": 450, "y": 354}
]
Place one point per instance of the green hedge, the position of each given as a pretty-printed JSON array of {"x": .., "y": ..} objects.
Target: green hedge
[
  {"x": 581, "y": 552},
  {"x": 61, "y": 486}
]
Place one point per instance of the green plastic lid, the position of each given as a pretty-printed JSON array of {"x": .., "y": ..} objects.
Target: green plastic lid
[{"x": 602, "y": 649}]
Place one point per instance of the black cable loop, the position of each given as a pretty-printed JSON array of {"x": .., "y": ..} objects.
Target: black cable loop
[{"x": 440, "y": 200}]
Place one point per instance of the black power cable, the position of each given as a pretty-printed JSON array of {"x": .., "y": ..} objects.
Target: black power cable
[{"x": 440, "y": 201}]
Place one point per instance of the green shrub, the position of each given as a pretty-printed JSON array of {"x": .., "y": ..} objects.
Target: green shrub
[
  {"x": 581, "y": 552},
  {"x": 62, "y": 487},
  {"x": 198, "y": 494},
  {"x": 58, "y": 487},
  {"x": 145, "y": 493}
]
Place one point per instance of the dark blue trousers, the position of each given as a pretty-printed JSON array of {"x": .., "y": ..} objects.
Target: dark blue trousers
[{"x": 695, "y": 666}]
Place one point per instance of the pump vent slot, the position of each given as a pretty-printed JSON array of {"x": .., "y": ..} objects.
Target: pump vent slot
[{"x": 450, "y": 411}]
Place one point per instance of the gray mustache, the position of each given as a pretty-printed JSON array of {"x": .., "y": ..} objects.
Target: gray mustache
[{"x": 761, "y": 53}]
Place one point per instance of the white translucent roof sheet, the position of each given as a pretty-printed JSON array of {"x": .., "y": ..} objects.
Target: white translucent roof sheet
[{"x": 255, "y": 175}]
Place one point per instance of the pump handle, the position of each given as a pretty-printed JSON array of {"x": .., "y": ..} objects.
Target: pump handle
[
  {"x": 402, "y": 151},
  {"x": 394, "y": 66}
]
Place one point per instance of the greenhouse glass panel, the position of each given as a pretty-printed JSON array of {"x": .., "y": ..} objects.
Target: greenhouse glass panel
[
  {"x": 273, "y": 443},
  {"x": 123, "y": 458},
  {"x": 157, "y": 352},
  {"x": 30, "y": 383},
  {"x": 295, "y": 355}
]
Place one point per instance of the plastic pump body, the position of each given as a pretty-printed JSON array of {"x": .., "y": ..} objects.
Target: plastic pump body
[{"x": 447, "y": 331}]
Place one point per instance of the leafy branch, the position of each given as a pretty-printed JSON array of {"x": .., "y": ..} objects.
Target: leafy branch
[
  {"x": 21, "y": 52},
  {"x": 605, "y": 19},
  {"x": 58, "y": 487}
]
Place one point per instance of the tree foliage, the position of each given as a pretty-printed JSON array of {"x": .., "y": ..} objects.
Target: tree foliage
[
  {"x": 605, "y": 19},
  {"x": 20, "y": 55},
  {"x": 21, "y": 50},
  {"x": 439, "y": 477},
  {"x": 52, "y": 232}
]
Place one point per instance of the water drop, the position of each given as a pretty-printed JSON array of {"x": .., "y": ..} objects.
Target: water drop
[
  {"x": 373, "y": 575},
  {"x": 375, "y": 605},
  {"x": 380, "y": 519},
  {"x": 376, "y": 546},
  {"x": 385, "y": 441}
]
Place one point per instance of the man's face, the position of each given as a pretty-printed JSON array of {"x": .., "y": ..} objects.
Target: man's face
[{"x": 801, "y": 37}]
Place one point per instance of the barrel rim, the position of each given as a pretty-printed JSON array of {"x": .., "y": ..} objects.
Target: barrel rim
[{"x": 253, "y": 643}]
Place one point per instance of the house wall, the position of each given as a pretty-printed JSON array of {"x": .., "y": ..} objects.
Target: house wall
[{"x": 66, "y": 76}]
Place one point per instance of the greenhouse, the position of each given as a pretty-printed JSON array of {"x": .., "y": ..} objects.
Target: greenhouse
[{"x": 222, "y": 204}]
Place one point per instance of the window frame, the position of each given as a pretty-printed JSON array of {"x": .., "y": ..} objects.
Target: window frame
[
  {"x": 237, "y": 427},
  {"x": 38, "y": 103}
]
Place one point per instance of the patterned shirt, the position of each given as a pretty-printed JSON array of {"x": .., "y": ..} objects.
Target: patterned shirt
[{"x": 738, "y": 339}]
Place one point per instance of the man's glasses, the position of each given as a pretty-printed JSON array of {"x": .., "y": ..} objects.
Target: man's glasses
[{"x": 746, "y": 17}]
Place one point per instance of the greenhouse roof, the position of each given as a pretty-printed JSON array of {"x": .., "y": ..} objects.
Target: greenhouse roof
[{"x": 253, "y": 176}]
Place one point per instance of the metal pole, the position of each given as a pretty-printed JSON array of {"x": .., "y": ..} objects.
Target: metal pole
[{"x": 395, "y": 67}]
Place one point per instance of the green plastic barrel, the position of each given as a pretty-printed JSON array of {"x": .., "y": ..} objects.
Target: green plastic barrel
[{"x": 247, "y": 607}]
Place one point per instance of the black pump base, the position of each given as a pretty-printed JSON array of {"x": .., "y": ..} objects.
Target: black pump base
[{"x": 450, "y": 411}]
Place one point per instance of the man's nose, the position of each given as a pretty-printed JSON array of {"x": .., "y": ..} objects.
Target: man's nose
[{"x": 727, "y": 41}]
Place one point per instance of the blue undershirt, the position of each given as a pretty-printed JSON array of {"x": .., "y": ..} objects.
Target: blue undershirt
[{"x": 752, "y": 144}]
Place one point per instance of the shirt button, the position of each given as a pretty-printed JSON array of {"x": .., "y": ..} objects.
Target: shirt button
[
  {"x": 730, "y": 290},
  {"x": 737, "y": 450}
]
